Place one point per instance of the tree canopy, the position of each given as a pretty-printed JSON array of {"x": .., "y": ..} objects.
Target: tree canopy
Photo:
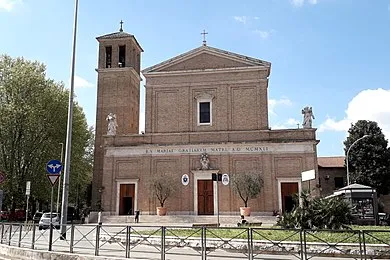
[
  {"x": 247, "y": 185},
  {"x": 369, "y": 158},
  {"x": 33, "y": 112}
]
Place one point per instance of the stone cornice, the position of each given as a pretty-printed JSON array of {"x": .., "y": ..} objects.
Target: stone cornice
[
  {"x": 204, "y": 71},
  {"x": 121, "y": 70},
  {"x": 211, "y": 83}
]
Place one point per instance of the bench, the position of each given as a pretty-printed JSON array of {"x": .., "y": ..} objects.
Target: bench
[
  {"x": 250, "y": 224},
  {"x": 205, "y": 225}
]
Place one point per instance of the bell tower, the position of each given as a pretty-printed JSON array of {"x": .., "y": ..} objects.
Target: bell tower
[{"x": 118, "y": 92}]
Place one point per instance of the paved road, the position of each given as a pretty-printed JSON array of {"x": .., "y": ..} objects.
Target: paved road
[{"x": 112, "y": 243}]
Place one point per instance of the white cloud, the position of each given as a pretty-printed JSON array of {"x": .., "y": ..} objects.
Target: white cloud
[
  {"x": 299, "y": 3},
  {"x": 80, "y": 82},
  {"x": 272, "y": 103},
  {"x": 262, "y": 34},
  {"x": 8, "y": 5},
  {"x": 370, "y": 104},
  {"x": 240, "y": 19}
]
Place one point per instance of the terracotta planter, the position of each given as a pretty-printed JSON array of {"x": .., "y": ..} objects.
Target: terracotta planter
[
  {"x": 161, "y": 211},
  {"x": 245, "y": 211}
]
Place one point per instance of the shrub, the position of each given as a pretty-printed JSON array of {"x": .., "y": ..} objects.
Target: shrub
[{"x": 318, "y": 213}]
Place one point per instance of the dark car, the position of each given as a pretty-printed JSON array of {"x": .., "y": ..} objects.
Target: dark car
[{"x": 37, "y": 216}]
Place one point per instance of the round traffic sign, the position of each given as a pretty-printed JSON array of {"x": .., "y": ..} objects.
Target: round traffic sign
[{"x": 53, "y": 166}]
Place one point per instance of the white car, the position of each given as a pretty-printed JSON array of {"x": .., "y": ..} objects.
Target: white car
[{"x": 44, "y": 222}]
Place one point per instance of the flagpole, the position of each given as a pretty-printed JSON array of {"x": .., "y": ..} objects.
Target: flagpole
[{"x": 65, "y": 189}]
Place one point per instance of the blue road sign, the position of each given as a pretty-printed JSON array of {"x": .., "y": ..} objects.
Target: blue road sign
[{"x": 54, "y": 167}]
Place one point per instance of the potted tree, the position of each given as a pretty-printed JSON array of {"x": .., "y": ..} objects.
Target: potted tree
[
  {"x": 247, "y": 186},
  {"x": 163, "y": 187}
]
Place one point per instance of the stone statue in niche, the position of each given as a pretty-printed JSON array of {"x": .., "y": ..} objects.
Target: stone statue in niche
[
  {"x": 204, "y": 161},
  {"x": 307, "y": 117},
  {"x": 112, "y": 124}
]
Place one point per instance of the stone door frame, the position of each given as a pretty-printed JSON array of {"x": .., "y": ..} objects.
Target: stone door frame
[
  {"x": 204, "y": 175},
  {"x": 118, "y": 186},
  {"x": 284, "y": 180}
]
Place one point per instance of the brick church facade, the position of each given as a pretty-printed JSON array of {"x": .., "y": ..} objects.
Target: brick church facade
[{"x": 206, "y": 100}]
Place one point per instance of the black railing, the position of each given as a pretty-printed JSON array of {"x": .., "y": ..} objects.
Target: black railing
[{"x": 200, "y": 242}]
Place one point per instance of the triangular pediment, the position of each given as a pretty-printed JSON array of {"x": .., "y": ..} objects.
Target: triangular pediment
[{"x": 204, "y": 58}]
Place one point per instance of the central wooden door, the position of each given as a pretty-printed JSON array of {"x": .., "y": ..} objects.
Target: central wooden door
[
  {"x": 288, "y": 189},
  {"x": 205, "y": 197},
  {"x": 126, "y": 199}
]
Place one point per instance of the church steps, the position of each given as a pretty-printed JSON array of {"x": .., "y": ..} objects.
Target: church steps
[{"x": 187, "y": 220}]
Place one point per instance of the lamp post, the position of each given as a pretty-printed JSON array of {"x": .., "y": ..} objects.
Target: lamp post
[
  {"x": 364, "y": 136},
  {"x": 65, "y": 188}
]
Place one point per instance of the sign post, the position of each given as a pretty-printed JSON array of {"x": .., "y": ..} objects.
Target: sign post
[
  {"x": 28, "y": 186},
  {"x": 217, "y": 177},
  {"x": 308, "y": 175},
  {"x": 53, "y": 168}
]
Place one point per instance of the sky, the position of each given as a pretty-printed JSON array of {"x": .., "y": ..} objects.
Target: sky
[{"x": 333, "y": 55}]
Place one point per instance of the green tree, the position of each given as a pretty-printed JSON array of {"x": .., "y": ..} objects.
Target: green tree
[
  {"x": 247, "y": 186},
  {"x": 33, "y": 112},
  {"x": 369, "y": 158}
]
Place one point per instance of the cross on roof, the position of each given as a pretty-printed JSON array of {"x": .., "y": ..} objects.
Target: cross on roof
[
  {"x": 121, "y": 29},
  {"x": 204, "y": 37}
]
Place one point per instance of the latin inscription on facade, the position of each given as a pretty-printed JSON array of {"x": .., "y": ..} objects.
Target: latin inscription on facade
[
  {"x": 210, "y": 149},
  {"x": 207, "y": 150}
]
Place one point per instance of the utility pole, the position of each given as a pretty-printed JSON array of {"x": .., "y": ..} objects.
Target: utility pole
[{"x": 65, "y": 189}]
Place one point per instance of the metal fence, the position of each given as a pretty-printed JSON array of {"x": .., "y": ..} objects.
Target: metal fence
[{"x": 200, "y": 242}]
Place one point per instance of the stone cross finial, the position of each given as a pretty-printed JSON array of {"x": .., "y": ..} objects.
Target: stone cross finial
[
  {"x": 121, "y": 29},
  {"x": 204, "y": 37}
]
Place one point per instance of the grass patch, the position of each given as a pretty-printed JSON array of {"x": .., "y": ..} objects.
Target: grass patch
[{"x": 372, "y": 234}]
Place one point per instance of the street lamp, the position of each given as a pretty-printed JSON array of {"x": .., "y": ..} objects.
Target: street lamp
[
  {"x": 65, "y": 187},
  {"x": 364, "y": 136}
]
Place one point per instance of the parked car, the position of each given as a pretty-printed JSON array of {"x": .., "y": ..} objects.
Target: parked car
[
  {"x": 384, "y": 219},
  {"x": 37, "y": 216},
  {"x": 44, "y": 222},
  {"x": 17, "y": 215},
  {"x": 4, "y": 215}
]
